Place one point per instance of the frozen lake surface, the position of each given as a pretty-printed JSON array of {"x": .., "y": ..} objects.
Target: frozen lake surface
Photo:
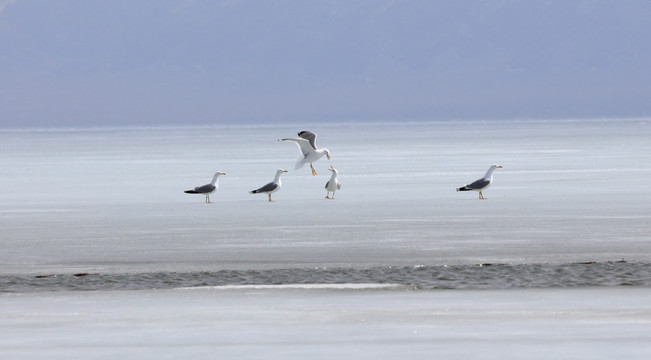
[
  {"x": 554, "y": 262},
  {"x": 250, "y": 323},
  {"x": 102, "y": 201}
]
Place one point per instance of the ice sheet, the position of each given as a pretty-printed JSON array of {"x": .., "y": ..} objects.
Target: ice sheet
[
  {"x": 594, "y": 323},
  {"x": 111, "y": 200}
]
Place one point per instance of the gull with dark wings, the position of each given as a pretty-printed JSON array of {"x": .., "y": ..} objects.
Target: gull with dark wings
[
  {"x": 208, "y": 188},
  {"x": 481, "y": 184},
  {"x": 271, "y": 187},
  {"x": 306, "y": 142}
]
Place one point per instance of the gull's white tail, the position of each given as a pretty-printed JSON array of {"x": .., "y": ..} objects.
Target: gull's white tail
[{"x": 299, "y": 163}]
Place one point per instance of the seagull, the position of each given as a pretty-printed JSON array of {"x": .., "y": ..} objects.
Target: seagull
[
  {"x": 271, "y": 187},
  {"x": 481, "y": 184},
  {"x": 333, "y": 184},
  {"x": 307, "y": 146},
  {"x": 208, "y": 188}
]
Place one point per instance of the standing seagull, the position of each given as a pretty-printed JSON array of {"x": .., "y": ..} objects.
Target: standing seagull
[
  {"x": 307, "y": 146},
  {"x": 483, "y": 183},
  {"x": 271, "y": 187},
  {"x": 208, "y": 188},
  {"x": 333, "y": 184}
]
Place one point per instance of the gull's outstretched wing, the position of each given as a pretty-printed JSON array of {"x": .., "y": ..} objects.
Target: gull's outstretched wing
[
  {"x": 303, "y": 145},
  {"x": 309, "y": 136}
]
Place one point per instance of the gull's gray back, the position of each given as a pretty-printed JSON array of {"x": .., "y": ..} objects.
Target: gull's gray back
[
  {"x": 269, "y": 187},
  {"x": 478, "y": 184},
  {"x": 205, "y": 188}
]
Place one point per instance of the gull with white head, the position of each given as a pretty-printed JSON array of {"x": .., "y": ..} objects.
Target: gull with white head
[
  {"x": 271, "y": 187},
  {"x": 208, "y": 188},
  {"x": 333, "y": 184},
  {"x": 306, "y": 142},
  {"x": 481, "y": 184}
]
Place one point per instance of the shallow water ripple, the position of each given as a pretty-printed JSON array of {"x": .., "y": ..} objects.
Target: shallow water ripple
[{"x": 479, "y": 276}]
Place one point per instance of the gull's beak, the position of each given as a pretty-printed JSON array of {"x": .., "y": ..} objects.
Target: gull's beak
[
  {"x": 223, "y": 173},
  {"x": 499, "y": 166},
  {"x": 328, "y": 156},
  {"x": 284, "y": 170}
]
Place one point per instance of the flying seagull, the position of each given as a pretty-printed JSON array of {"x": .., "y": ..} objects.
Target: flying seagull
[
  {"x": 307, "y": 146},
  {"x": 333, "y": 184},
  {"x": 483, "y": 183},
  {"x": 271, "y": 187},
  {"x": 208, "y": 188}
]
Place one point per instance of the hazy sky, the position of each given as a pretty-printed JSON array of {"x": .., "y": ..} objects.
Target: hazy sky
[{"x": 144, "y": 62}]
